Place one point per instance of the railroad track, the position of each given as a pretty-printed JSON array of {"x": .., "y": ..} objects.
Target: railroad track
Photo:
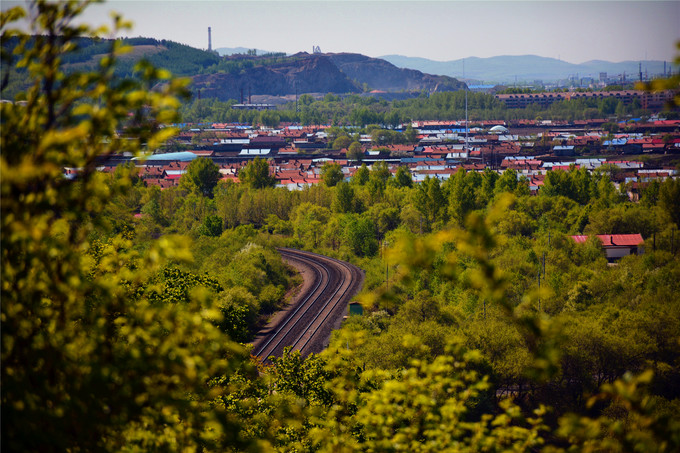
[{"x": 307, "y": 325}]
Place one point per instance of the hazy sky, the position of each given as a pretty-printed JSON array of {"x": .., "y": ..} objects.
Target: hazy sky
[{"x": 574, "y": 31}]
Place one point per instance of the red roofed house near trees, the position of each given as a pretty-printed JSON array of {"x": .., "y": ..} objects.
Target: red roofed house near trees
[{"x": 617, "y": 246}]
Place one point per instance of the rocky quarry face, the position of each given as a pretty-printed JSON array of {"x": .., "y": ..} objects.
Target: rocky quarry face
[{"x": 319, "y": 73}]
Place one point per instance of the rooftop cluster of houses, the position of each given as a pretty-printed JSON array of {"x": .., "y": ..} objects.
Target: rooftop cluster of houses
[
  {"x": 647, "y": 100},
  {"x": 531, "y": 148}
]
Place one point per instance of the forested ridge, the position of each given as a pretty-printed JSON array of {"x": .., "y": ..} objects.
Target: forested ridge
[
  {"x": 357, "y": 110},
  {"x": 127, "y": 310}
]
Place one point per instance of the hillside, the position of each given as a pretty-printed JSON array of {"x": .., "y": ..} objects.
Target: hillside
[
  {"x": 384, "y": 76},
  {"x": 503, "y": 69},
  {"x": 302, "y": 73},
  {"x": 314, "y": 73},
  {"x": 180, "y": 59}
]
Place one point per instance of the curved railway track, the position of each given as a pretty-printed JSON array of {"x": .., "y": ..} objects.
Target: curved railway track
[{"x": 306, "y": 325}]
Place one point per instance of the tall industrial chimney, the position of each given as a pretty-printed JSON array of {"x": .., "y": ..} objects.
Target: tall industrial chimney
[
  {"x": 209, "y": 41},
  {"x": 640, "y": 71}
]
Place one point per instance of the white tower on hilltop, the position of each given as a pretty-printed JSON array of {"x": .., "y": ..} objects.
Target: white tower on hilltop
[{"x": 209, "y": 40}]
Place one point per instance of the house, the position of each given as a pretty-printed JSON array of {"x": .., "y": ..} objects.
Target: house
[{"x": 617, "y": 246}]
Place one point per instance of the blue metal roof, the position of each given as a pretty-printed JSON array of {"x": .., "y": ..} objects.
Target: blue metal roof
[
  {"x": 615, "y": 142},
  {"x": 182, "y": 156}
]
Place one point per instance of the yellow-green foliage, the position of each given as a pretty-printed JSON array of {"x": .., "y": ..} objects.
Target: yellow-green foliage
[{"x": 84, "y": 365}]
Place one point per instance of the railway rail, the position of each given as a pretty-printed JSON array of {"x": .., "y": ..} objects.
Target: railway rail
[{"x": 307, "y": 325}]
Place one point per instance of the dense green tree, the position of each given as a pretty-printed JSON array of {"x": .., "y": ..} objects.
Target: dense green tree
[
  {"x": 461, "y": 190},
  {"x": 485, "y": 192},
  {"x": 151, "y": 205},
  {"x": 402, "y": 177},
  {"x": 212, "y": 225},
  {"x": 430, "y": 201},
  {"x": 306, "y": 99},
  {"x": 410, "y": 135},
  {"x": 256, "y": 174},
  {"x": 201, "y": 176},
  {"x": 227, "y": 196},
  {"x": 649, "y": 194},
  {"x": 507, "y": 181},
  {"x": 378, "y": 178},
  {"x": 333, "y": 233},
  {"x": 361, "y": 176},
  {"x": 345, "y": 199},
  {"x": 380, "y": 172},
  {"x": 385, "y": 218},
  {"x": 239, "y": 309},
  {"x": 669, "y": 199},
  {"x": 305, "y": 379},
  {"x": 361, "y": 237},
  {"x": 624, "y": 219},
  {"x": 355, "y": 152},
  {"x": 559, "y": 182},
  {"x": 411, "y": 218},
  {"x": 269, "y": 119},
  {"x": 331, "y": 174},
  {"x": 191, "y": 212},
  {"x": 503, "y": 346},
  {"x": 585, "y": 186},
  {"x": 308, "y": 220},
  {"x": 342, "y": 142},
  {"x": 173, "y": 285},
  {"x": 260, "y": 271},
  {"x": 383, "y": 137}
]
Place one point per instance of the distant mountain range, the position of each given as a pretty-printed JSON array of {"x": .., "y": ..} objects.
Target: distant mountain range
[{"x": 523, "y": 68}]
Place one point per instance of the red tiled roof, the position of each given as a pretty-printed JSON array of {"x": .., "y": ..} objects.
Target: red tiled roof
[
  {"x": 474, "y": 167},
  {"x": 162, "y": 183},
  {"x": 152, "y": 172},
  {"x": 445, "y": 171},
  {"x": 176, "y": 165},
  {"x": 436, "y": 150},
  {"x": 639, "y": 141},
  {"x": 666, "y": 123},
  {"x": 614, "y": 240}
]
